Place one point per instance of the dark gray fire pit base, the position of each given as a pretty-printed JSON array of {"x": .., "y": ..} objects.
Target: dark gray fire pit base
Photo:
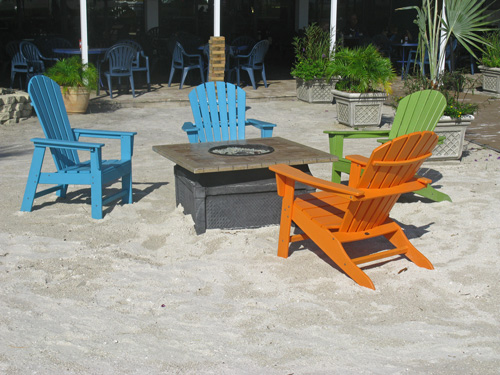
[{"x": 231, "y": 200}]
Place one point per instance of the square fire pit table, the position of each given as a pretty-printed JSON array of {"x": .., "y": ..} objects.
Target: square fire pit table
[{"x": 235, "y": 191}]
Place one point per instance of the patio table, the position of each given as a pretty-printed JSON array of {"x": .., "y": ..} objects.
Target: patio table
[{"x": 221, "y": 191}]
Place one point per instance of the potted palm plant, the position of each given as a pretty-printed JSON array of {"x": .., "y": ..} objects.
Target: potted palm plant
[
  {"x": 76, "y": 80},
  {"x": 491, "y": 63},
  {"x": 312, "y": 68},
  {"x": 458, "y": 114},
  {"x": 438, "y": 21},
  {"x": 365, "y": 80}
]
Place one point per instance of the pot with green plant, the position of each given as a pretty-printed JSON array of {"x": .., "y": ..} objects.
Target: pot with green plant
[
  {"x": 312, "y": 68},
  {"x": 458, "y": 114},
  {"x": 76, "y": 80},
  {"x": 491, "y": 63},
  {"x": 365, "y": 80}
]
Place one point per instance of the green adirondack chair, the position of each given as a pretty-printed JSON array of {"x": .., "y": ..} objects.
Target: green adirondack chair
[{"x": 416, "y": 112}]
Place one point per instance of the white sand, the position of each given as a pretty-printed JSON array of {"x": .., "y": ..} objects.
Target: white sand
[{"x": 140, "y": 293}]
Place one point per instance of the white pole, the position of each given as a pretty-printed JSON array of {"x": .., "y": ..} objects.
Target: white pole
[
  {"x": 83, "y": 28},
  {"x": 333, "y": 23},
  {"x": 442, "y": 44},
  {"x": 216, "y": 17}
]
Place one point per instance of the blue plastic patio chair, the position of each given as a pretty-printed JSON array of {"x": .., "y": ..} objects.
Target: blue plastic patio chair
[
  {"x": 34, "y": 59},
  {"x": 414, "y": 59},
  {"x": 119, "y": 58},
  {"x": 253, "y": 61},
  {"x": 64, "y": 145},
  {"x": 185, "y": 62},
  {"x": 18, "y": 64},
  {"x": 220, "y": 115},
  {"x": 141, "y": 61}
]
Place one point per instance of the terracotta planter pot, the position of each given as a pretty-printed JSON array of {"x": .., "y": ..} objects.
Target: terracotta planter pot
[
  {"x": 356, "y": 109},
  {"x": 76, "y": 100}
]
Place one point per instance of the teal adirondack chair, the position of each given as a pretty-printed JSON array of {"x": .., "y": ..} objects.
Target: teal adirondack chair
[
  {"x": 419, "y": 111},
  {"x": 64, "y": 145},
  {"x": 219, "y": 115}
]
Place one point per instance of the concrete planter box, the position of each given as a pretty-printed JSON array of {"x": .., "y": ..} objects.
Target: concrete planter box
[
  {"x": 316, "y": 90},
  {"x": 454, "y": 131},
  {"x": 356, "y": 109},
  {"x": 491, "y": 79}
]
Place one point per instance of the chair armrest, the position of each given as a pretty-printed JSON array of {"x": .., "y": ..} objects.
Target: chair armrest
[
  {"x": 192, "y": 132},
  {"x": 127, "y": 139},
  {"x": 358, "y": 164},
  {"x": 95, "y": 133},
  {"x": 76, "y": 145},
  {"x": 336, "y": 138},
  {"x": 357, "y": 133},
  {"x": 266, "y": 128},
  {"x": 111, "y": 134},
  {"x": 299, "y": 176},
  {"x": 358, "y": 159}
]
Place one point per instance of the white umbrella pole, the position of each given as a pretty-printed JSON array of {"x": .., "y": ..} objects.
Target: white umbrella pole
[
  {"x": 442, "y": 45},
  {"x": 333, "y": 24},
  {"x": 83, "y": 28},
  {"x": 216, "y": 17}
]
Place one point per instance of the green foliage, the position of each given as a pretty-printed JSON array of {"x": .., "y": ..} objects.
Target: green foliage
[
  {"x": 72, "y": 73},
  {"x": 312, "y": 54},
  {"x": 491, "y": 55},
  {"x": 362, "y": 70},
  {"x": 465, "y": 21},
  {"x": 451, "y": 85}
]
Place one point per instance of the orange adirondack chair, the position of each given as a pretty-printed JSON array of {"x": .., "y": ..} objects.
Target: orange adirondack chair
[{"x": 339, "y": 214}]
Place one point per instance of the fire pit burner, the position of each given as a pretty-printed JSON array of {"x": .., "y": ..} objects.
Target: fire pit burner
[{"x": 241, "y": 150}]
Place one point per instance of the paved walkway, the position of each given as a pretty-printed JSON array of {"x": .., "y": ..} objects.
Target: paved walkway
[{"x": 484, "y": 130}]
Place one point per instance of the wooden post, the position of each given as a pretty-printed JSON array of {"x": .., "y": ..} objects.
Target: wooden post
[{"x": 217, "y": 60}]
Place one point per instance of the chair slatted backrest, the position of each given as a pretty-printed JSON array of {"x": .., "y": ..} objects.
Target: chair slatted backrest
[
  {"x": 47, "y": 99},
  {"x": 390, "y": 165},
  {"x": 258, "y": 53},
  {"x": 218, "y": 111},
  {"x": 419, "y": 111},
  {"x": 33, "y": 57},
  {"x": 120, "y": 57}
]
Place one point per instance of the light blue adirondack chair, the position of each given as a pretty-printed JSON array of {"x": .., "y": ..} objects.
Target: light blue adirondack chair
[
  {"x": 64, "y": 144},
  {"x": 220, "y": 115}
]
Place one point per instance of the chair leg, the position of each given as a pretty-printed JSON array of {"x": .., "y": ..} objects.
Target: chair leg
[
  {"x": 132, "y": 85},
  {"x": 252, "y": 78},
  {"x": 172, "y": 70},
  {"x": 334, "y": 249},
  {"x": 148, "y": 80},
  {"x": 62, "y": 191},
  {"x": 264, "y": 75},
  {"x": 96, "y": 197},
  {"x": 202, "y": 75},
  {"x": 285, "y": 221},
  {"x": 127, "y": 186},
  {"x": 184, "y": 74},
  {"x": 399, "y": 239},
  {"x": 109, "y": 87},
  {"x": 33, "y": 179}
]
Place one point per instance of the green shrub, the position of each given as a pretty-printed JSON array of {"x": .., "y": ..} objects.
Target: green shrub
[
  {"x": 312, "y": 54},
  {"x": 72, "y": 73},
  {"x": 362, "y": 70},
  {"x": 491, "y": 54}
]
